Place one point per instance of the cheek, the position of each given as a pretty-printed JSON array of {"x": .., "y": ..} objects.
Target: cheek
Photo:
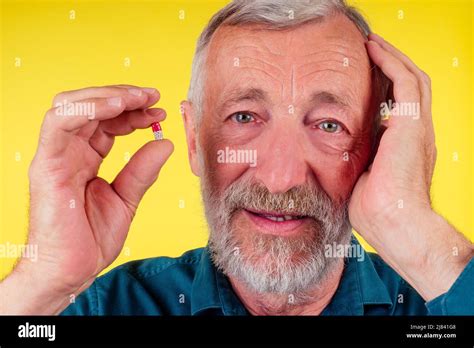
[
  {"x": 337, "y": 166},
  {"x": 221, "y": 163}
]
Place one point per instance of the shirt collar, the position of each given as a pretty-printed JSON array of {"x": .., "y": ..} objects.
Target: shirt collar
[
  {"x": 212, "y": 292},
  {"x": 360, "y": 286}
]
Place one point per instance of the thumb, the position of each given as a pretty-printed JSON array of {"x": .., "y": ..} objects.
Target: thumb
[{"x": 141, "y": 171}]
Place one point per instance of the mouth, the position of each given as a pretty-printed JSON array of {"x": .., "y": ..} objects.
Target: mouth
[{"x": 270, "y": 222}]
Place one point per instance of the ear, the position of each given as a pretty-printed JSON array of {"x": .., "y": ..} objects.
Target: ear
[{"x": 191, "y": 137}]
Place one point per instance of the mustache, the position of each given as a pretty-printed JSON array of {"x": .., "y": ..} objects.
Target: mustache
[{"x": 308, "y": 200}]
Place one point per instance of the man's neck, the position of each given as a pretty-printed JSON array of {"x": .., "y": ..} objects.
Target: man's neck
[{"x": 312, "y": 302}]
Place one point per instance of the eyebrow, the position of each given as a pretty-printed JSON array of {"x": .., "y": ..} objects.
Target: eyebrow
[
  {"x": 259, "y": 95},
  {"x": 325, "y": 97},
  {"x": 247, "y": 94}
]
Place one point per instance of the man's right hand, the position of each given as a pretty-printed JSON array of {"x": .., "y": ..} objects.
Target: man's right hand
[{"x": 78, "y": 221}]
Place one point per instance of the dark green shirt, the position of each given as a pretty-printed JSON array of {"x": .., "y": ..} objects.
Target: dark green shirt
[{"x": 191, "y": 285}]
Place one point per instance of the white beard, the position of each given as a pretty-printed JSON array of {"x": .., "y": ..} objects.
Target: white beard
[{"x": 270, "y": 266}]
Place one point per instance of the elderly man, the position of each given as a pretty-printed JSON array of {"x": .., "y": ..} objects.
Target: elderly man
[{"x": 299, "y": 86}]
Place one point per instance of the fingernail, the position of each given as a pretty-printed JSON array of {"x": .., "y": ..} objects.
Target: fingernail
[
  {"x": 135, "y": 91},
  {"x": 149, "y": 90},
  {"x": 115, "y": 101},
  {"x": 373, "y": 43},
  {"x": 154, "y": 112}
]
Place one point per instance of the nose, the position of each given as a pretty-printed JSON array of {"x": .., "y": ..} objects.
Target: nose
[{"x": 281, "y": 162}]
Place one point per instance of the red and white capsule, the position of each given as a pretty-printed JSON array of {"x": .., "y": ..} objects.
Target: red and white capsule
[{"x": 157, "y": 132}]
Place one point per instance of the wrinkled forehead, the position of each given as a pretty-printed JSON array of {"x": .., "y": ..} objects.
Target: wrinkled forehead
[{"x": 291, "y": 61}]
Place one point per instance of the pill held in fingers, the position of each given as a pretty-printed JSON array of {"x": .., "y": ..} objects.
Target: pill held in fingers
[{"x": 157, "y": 132}]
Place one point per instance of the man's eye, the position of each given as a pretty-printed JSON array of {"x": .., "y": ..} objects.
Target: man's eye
[
  {"x": 330, "y": 127},
  {"x": 242, "y": 117}
]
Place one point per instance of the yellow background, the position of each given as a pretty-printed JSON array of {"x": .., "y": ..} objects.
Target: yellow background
[{"x": 59, "y": 53}]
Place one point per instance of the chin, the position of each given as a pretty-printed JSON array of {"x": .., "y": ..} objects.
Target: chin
[{"x": 269, "y": 262}]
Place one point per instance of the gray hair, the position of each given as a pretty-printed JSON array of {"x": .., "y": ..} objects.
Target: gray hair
[{"x": 276, "y": 14}]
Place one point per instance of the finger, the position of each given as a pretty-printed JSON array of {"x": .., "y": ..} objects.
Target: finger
[
  {"x": 132, "y": 120},
  {"x": 406, "y": 91},
  {"x": 423, "y": 78},
  {"x": 152, "y": 93},
  {"x": 396, "y": 71},
  {"x": 61, "y": 124},
  {"x": 424, "y": 83},
  {"x": 141, "y": 172},
  {"x": 88, "y": 130},
  {"x": 103, "y": 137},
  {"x": 408, "y": 132},
  {"x": 102, "y": 142},
  {"x": 80, "y": 113},
  {"x": 135, "y": 97}
]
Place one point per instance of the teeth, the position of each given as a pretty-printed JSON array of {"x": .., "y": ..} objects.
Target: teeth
[
  {"x": 274, "y": 218},
  {"x": 280, "y": 218}
]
